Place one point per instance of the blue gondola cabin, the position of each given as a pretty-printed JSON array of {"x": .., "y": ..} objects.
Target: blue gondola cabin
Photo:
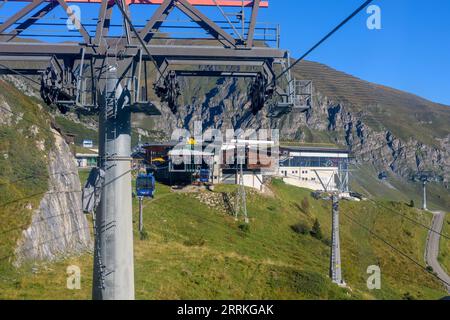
[{"x": 145, "y": 185}]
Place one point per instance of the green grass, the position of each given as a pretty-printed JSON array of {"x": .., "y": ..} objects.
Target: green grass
[
  {"x": 444, "y": 246},
  {"x": 195, "y": 252},
  {"x": 363, "y": 179},
  {"x": 81, "y": 132}
]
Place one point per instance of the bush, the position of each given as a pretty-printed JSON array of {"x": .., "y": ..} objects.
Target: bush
[
  {"x": 408, "y": 296},
  {"x": 197, "y": 241},
  {"x": 316, "y": 230},
  {"x": 305, "y": 205},
  {"x": 412, "y": 204},
  {"x": 327, "y": 241},
  {"x": 408, "y": 233},
  {"x": 143, "y": 235},
  {"x": 245, "y": 227},
  {"x": 300, "y": 228}
]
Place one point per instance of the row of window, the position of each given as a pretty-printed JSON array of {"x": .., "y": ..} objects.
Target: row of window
[
  {"x": 295, "y": 171},
  {"x": 314, "y": 162}
]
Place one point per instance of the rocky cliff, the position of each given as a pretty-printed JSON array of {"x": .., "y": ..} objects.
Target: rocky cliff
[
  {"x": 40, "y": 193},
  {"x": 58, "y": 227}
]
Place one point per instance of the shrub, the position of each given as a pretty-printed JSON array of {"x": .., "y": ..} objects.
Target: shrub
[
  {"x": 316, "y": 230},
  {"x": 408, "y": 233},
  {"x": 408, "y": 296},
  {"x": 244, "y": 227},
  {"x": 197, "y": 241},
  {"x": 300, "y": 228},
  {"x": 327, "y": 241},
  {"x": 412, "y": 204},
  {"x": 305, "y": 205},
  {"x": 143, "y": 235}
]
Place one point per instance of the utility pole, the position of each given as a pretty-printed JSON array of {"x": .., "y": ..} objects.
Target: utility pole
[
  {"x": 424, "y": 204},
  {"x": 335, "y": 261},
  {"x": 241, "y": 197},
  {"x": 141, "y": 219},
  {"x": 113, "y": 256}
]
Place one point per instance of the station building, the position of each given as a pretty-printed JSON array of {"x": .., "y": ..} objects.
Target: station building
[{"x": 314, "y": 167}]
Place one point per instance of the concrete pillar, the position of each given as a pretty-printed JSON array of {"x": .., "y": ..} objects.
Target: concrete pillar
[{"x": 113, "y": 277}]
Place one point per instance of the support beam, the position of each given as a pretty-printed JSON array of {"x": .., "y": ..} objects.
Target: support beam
[
  {"x": 156, "y": 20},
  {"x": 157, "y": 51},
  {"x": 223, "y": 3},
  {"x": 103, "y": 23},
  {"x": 126, "y": 24},
  {"x": 206, "y": 23},
  {"x": 75, "y": 21},
  {"x": 252, "y": 26},
  {"x": 20, "y": 14}
]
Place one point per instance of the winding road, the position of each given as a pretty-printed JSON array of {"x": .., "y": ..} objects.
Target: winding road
[{"x": 432, "y": 249}]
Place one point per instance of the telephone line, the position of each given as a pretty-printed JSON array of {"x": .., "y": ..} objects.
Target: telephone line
[{"x": 340, "y": 25}]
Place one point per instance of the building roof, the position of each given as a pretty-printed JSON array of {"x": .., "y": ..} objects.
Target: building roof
[
  {"x": 189, "y": 152},
  {"x": 317, "y": 149},
  {"x": 159, "y": 144},
  {"x": 86, "y": 155}
]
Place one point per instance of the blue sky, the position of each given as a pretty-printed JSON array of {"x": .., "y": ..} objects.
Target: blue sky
[{"x": 411, "y": 52}]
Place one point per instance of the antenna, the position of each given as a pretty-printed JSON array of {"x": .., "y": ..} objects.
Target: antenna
[{"x": 241, "y": 196}]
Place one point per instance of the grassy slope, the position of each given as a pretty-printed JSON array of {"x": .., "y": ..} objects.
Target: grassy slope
[
  {"x": 444, "y": 246},
  {"x": 363, "y": 179},
  {"x": 23, "y": 170},
  {"x": 195, "y": 252},
  {"x": 81, "y": 132}
]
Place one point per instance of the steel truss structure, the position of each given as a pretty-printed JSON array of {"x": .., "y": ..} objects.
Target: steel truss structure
[
  {"x": 106, "y": 74},
  {"x": 74, "y": 70}
]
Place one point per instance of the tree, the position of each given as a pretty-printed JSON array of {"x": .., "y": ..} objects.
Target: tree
[{"x": 316, "y": 230}]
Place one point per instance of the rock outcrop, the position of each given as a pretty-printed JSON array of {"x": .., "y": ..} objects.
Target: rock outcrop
[{"x": 58, "y": 228}]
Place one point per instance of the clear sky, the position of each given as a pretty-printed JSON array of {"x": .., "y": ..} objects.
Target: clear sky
[{"x": 411, "y": 52}]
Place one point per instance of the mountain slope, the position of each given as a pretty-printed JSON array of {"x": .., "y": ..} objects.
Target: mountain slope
[
  {"x": 405, "y": 115},
  {"x": 387, "y": 130}
]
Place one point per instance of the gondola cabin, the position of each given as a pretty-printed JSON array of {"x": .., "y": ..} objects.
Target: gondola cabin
[
  {"x": 204, "y": 175},
  {"x": 145, "y": 185}
]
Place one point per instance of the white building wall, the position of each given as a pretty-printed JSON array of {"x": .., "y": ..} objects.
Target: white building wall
[
  {"x": 308, "y": 177},
  {"x": 250, "y": 180}
]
